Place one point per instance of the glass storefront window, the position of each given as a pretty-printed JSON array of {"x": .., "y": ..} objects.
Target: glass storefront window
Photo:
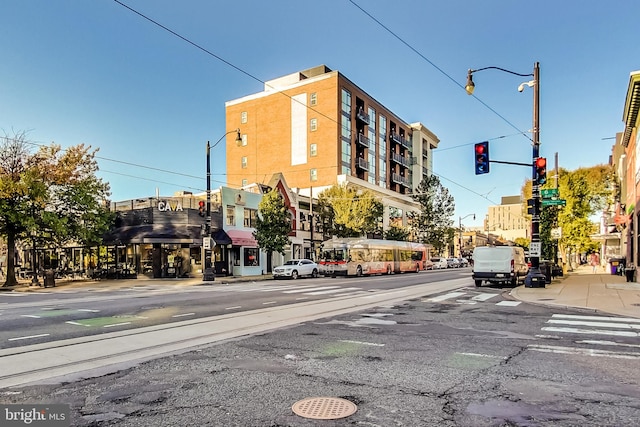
[{"x": 251, "y": 257}]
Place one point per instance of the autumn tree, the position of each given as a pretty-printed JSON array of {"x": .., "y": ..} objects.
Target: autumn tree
[
  {"x": 273, "y": 225},
  {"x": 349, "y": 212},
  {"x": 434, "y": 221},
  {"x": 51, "y": 197}
]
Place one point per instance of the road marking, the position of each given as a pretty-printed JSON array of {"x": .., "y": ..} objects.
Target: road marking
[
  {"x": 468, "y": 302},
  {"x": 88, "y": 310},
  {"x": 611, "y": 343},
  {"x": 33, "y": 316},
  {"x": 76, "y": 323},
  {"x": 363, "y": 343},
  {"x": 583, "y": 351},
  {"x": 297, "y": 291},
  {"x": 607, "y": 318},
  {"x": 594, "y": 324},
  {"x": 116, "y": 324},
  {"x": 269, "y": 302},
  {"x": 484, "y": 297},
  {"x": 350, "y": 294},
  {"x": 28, "y": 337},
  {"x": 10, "y": 294},
  {"x": 591, "y": 331},
  {"x": 446, "y": 296},
  {"x": 509, "y": 303},
  {"x": 183, "y": 315},
  {"x": 300, "y": 298},
  {"x": 332, "y": 291},
  {"x": 491, "y": 356},
  {"x": 233, "y": 308}
]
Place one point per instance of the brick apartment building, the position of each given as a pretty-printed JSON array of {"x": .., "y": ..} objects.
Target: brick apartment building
[{"x": 318, "y": 128}]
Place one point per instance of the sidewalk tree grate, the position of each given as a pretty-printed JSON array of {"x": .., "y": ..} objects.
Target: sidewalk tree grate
[{"x": 324, "y": 408}]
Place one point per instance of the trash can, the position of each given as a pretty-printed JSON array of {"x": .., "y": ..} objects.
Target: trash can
[
  {"x": 49, "y": 278},
  {"x": 630, "y": 272},
  {"x": 617, "y": 265}
]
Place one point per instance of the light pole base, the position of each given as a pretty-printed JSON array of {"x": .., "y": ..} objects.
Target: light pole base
[
  {"x": 209, "y": 275},
  {"x": 535, "y": 279}
]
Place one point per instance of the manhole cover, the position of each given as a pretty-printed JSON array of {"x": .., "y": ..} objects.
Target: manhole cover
[{"x": 324, "y": 408}]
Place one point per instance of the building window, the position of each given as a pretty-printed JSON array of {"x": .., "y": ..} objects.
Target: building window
[
  {"x": 231, "y": 215},
  {"x": 244, "y": 140},
  {"x": 313, "y": 125},
  {"x": 244, "y": 162},
  {"x": 243, "y": 117},
  {"x": 313, "y": 150},
  {"x": 251, "y": 257},
  {"x": 313, "y": 99},
  {"x": 313, "y": 174},
  {"x": 250, "y": 216},
  {"x": 245, "y": 182}
]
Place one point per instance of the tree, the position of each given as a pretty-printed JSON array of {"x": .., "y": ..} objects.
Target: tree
[
  {"x": 434, "y": 221},
  {"x": 348, "y": 212},
  {"x": 396, "y": 233},
  {"x": 273, "y": 225},
  {"x": 51, "y": 197}
]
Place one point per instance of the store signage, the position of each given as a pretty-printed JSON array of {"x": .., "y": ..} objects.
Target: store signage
[{"x": 169, "y": 206}]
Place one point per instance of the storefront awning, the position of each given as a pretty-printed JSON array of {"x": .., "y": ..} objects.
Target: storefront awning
[
  {"x": 242, "y": 238},
  {"x": 221, "y": 238},
  {"x": 153, "y": 233}
]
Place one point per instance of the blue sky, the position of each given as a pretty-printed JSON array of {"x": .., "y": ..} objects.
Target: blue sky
[{"x": 94, "y": 72}]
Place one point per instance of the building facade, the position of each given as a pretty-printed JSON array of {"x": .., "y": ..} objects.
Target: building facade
[
  {"x": 507, "y": 219},
  {"x": 319, "y": 129}
]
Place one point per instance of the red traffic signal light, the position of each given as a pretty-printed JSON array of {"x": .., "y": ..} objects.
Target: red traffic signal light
[
  {"x": 541, "y": 170},
  {"x": 201, "y": 208},
  {"x": 482, "y": 157}
]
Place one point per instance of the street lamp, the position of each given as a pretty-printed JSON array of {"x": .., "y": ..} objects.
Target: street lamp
[
  {"x": 460, "y": 231},
  {"x": 535, "y": 278},
  {"x": 208, "y": 271}
]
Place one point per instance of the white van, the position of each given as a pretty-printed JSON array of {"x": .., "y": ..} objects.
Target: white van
[{"x": 499, "y": 264}]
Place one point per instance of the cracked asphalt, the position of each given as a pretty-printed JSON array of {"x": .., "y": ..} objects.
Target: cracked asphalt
[{"x": 417, "y": 363}]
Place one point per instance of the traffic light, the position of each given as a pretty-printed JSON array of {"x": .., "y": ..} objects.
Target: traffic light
[
  {"x": 482, "y": 157},
  {"x": 201, "y": 210},
  {"x": 541, "y": 170}
]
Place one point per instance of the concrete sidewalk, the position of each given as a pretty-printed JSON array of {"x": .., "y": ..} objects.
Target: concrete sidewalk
[{"x": 581, "y": 288}]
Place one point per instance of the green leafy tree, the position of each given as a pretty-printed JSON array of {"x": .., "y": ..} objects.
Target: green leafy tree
[
  {"x": 348, "y": 212},
  {"x": 396, "y": 233},
  {"x": 434, "y": 222},
  {"x": 273, "y": 225},
  {"x": 50, "y": 197}
]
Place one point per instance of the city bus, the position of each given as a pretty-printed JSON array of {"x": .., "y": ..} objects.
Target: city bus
[{"x": 359, "y": 256}]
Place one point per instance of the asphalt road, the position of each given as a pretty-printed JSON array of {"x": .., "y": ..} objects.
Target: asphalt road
[{"x": 463, "y": 357}]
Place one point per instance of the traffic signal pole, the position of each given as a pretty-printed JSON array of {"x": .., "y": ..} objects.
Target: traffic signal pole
[{"x": 535, "y": 278}]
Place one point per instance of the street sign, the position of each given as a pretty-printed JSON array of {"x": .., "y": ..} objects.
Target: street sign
[
  {"x": 556, "y": 233},
  {"x": 534, "y": 249},
  {"x": 548, "y": 193},
  {"x": 554, "y": 202},
  {"x": 208, "y": 243}
]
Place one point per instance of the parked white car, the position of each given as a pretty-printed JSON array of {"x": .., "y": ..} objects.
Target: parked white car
[
  {"x": 439, "y": 262},
  {"x": 295, "y": 268}
]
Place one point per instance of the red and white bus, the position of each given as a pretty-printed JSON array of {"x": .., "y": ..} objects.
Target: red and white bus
[{"x": 359, "y": 256}]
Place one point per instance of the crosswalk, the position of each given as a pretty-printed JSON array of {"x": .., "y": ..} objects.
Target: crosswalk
[
  {"x": 471, "y": 298},
  {"x": 606, "y": 336}
]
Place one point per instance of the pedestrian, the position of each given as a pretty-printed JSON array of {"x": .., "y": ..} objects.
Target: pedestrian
[{"x": 595, "y": 261}]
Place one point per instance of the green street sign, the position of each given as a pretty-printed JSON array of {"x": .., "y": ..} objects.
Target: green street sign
[
  {"x": 549, "y": 193},
  {"x": 554, "y": 202}
]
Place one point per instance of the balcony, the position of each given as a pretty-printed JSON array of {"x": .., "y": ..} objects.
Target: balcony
[
  {"x": 399, "y": 179},
  {"x": 363, "y": 164},
  {"x": 399, "y": 139},
  {"x": 400, "y": 159},
  {"x": 362, "y": 116},
  {"x": 363, "y": 140}
]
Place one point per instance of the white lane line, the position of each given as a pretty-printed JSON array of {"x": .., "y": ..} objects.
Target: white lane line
[
  {"x": 269, "y": 302},
  {"x": 583, "y": 351},
  {"x": 28, "y": 337},
  {"x": 373, "y": 344},
  {"x": 11, "y": 294},
  {"x": 301, "y": 298},
  {"x": 297, "y": 291},
  {"x": 30, "y": 315},
  {"x": 76, "y": 323},
  {"x": 234, "y": 307},
  {"x": 483, "y": 297},
  {"x": 88, "y": 310},
  {"x": 332, "y": 291},
  {"x": 490, "y": 356},
  {"x": 350, "y": 294},
  {"x": 593, "y": 324},
  {"x": 610, "y": 343},
  {"x": 116, "y": 324},
  {"x": 591, "y": 331},
  {"x": 446, "y": 296},
  {"x": 509, "y": 303},
  {"x": 605, "y": 318},
  {"x": 183, "y": 315}
]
